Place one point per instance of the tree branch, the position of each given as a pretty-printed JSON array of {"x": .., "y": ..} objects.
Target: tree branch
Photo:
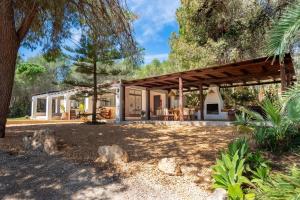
[{"x": 26, "y": 23}]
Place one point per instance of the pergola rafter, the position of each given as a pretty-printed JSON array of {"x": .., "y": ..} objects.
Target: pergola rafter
[{"x": 257, "y": 71}]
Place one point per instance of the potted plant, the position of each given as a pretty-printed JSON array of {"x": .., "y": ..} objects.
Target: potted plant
[{"x": 64, "y": 115}]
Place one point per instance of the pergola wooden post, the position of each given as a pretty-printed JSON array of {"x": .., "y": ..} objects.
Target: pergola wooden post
[
  {"x": 180, "y": 98},
  {"x": 201, "y": 98},
  {"x": 147, "y": 104},
  {"x": 168, "y": 99},
  {"x": 283, "y": 77}
]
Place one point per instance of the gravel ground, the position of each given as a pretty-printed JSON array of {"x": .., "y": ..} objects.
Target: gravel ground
[{"x": 32, "y": 176}]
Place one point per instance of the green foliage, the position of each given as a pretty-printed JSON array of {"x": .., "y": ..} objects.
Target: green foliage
[
  {"x": 214, "y": 31},
  {"x": 255, "y": 160},
  {"x": 36, "y": 75},
  {"x": 30, "y": 71},
  {"x": 228, "y": 174},
  {"x": 260, "y": 175},
  {"x": 242, "y": 121},
  {"x": 281, "y": 186},
  {"x": 244, "y": 96},
  {"x": 291, "y": 103},
  {"x": 239, "y": 146},
  {"x": 285, "y": 31},
  {"x": 154, "y": 68},
  {"x": 55, "y": 21},
  {"x": 192, "y": 100},
  {"x": 236, "y": 167},
  {"x": 275, "y": 130}
]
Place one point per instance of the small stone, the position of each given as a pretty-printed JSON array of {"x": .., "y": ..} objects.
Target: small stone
[
  {"x": 169, "y": 166},
  {"x": 218, "y": 194}
]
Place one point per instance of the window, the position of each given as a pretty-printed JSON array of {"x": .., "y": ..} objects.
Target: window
[
  {"x": 108, "y": 101},
  {"x": 41, "y": 105},
  {"x": 135, "y": 102}
]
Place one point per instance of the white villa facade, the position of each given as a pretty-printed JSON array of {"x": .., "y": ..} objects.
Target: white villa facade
[{"x": 52, "y": 105}]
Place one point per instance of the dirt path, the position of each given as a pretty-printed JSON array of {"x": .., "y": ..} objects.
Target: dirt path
[
  {"x": 78, "y": 143},
  {"x": 50, "y": 177}
]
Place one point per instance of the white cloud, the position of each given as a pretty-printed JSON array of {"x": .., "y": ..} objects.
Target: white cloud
[
  {"x": 153, "y": 16},
  {"x": 161, "y": 57}
]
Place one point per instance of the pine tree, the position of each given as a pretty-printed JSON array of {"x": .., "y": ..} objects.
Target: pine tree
[{"x": 94, "y": 65}]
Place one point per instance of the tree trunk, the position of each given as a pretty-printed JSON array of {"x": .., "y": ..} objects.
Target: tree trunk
[
  {"x": 9, "y": 45},
  {"x": 95, "y": 95}
]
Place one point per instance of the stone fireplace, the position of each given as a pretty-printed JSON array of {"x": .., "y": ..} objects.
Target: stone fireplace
[{"x": 214, "y": 104}]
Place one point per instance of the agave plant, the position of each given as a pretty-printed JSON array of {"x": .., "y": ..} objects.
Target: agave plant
[{"x": 228, "y": 174}]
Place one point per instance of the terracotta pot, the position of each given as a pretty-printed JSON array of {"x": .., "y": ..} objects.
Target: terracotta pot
[{"x": 65, "y": 116}]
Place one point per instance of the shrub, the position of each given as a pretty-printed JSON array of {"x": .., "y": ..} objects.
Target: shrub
[
  {"x": 228, "y": 174},
  {"x": 281, "y": 186},
  {"x": 273, "y": 131},
  {"x": 236, "y": 166},
  {"x": 239, "y": 145}
]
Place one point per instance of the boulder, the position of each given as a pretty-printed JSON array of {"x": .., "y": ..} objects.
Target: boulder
[
  {"x": 41, "y": 141},
  {"x": 218, "y": 194},
  {"x": 169, "y": 166},
  {"x": 113, "y": 154}
]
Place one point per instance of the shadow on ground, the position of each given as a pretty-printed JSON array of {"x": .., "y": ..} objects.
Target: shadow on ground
[{"x": 50, "y": 177}]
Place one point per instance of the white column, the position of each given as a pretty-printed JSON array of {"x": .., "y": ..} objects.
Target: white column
[
  {"x": 33, "y": 107},
  {"x": 67, "y": 105},
  {"x": 57, "y": 105},
  {"x": 86, "y": 104},
  {"x": 119, "y": 105},
  {"x": 49, "y": 108}
]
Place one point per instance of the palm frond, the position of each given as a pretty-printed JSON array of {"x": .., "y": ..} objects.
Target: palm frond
[{"x": 285, "y": 31}]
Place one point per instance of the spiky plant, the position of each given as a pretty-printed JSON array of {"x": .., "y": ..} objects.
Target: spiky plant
[
  {"x": 281, "y": 186},
  {"x": 285, "y": 32}
]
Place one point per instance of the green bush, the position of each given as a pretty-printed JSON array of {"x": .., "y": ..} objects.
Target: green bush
[
  {"x": 239, "y": 145},
  {"x": 275, "y": 130},
  {"x": 236, "y": 167},
  {"x": 228, "y": 174},
  {"x": 281, "y": 186}
]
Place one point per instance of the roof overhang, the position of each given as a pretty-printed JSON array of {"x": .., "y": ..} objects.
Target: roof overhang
[{"x": 257, "y": 71}]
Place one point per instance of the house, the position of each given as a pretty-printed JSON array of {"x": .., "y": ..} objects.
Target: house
[{"x": 162, "y": 97}]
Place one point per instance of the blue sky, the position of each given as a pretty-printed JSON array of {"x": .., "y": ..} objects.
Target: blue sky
[{"x": 156, "y": 21}]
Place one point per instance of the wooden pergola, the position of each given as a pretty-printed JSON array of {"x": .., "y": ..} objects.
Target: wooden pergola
[{"x": 257, "y": 71}]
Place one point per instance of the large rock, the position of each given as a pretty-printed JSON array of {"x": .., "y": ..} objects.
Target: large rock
[
  {"x": 218, "y": 194},
  {"x": 41, "y": 141},
  {"x": 169, "y": 166},
  {"x": 113, "y": 154}
]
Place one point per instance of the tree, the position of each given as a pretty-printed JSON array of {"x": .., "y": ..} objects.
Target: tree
[
  {"x": 155, "y": 68},
  {"x": 216, "y": 32},
  {"x": 30, "y": 23},
  {"x": 34, "y": 76},
  {"x": 285, "y": 32},
  {"x": 94, "y": 64}
]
